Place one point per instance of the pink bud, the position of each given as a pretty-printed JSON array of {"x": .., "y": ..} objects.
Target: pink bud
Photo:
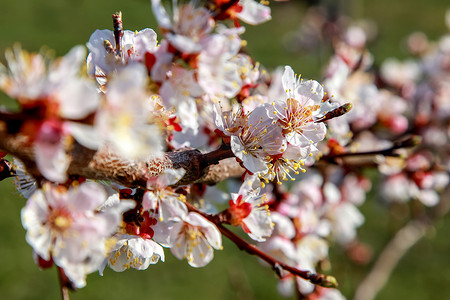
[
  {"x": 398, "y": 124},
  {"x": 50, "y": 132}
]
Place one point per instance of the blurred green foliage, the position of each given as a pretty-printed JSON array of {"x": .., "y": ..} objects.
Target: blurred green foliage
[{"x": 424, "y": 273}]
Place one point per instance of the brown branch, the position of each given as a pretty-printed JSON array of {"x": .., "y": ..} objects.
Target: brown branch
[
  {"x": 65, "y": 284},
  {"x": 65, "y": 293},
  {"x": 403, "y": 240},
  {"x": 385, "y": 152},
  {"x": 409, "y": 141},
  {"x": 226, "y": 168},
  {"x": 318, "y": 279},
  {"x": 5, "y": 169},
  {"x": 103, "y": 164}
]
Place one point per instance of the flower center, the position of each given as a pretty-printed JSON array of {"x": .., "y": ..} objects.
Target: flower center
[
  {"x": 60, "y": 219},
  {"x": 239, "y": 210}
]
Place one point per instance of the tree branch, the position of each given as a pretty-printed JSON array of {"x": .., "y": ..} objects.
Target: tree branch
[
  {"x": 64, "y": 284},
  {"x": 403, "y": 240},
  {"x": 406, "y": 142},
  {"x": 318, "y": 279},
  {"x": 103, "y": 164}
]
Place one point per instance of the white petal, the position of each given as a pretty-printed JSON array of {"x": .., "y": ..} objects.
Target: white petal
[
  {"x": 201, "y": 255},
  {"x": 150, "y": 200},
  {"x": 77, "y": 98},
  {"x": 178, "y": 241},
  {"x": 171, "y": 176},
  {"x": 254, "y": 13},
  {"x": 97, "y": 50},
  {"x": 260, "y": 224},
  {"x": 288, "y": 79},
  {"x": 162, "y": 233},
  {"x": 428, "y": 197},
  {"x": 86, "y": 135},
  {"x": 87, "y": 196},
  {"x": 161, "y": 15},
  {"x": 283, "y": 225},
  {"x": 309, "y": 93},
  {"x": 209, "y": 230},
  {"x": 145, "y": 41},
  {"x": 184, "y": 44},
  {"x": 52, "y": 160},
  {"x": 172, "y": 208}
]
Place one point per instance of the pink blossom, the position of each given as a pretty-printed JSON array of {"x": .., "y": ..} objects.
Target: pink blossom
[
  {"x": 178, "y": 93},
  {"x": 65, "y": 226},
  {"x": 124, "y": 122},
  {"x": 399, "y": 73},
  {"x": 345, "y": 218}
]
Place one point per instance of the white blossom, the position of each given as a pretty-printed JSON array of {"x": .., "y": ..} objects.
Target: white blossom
[
  {"x": 131, "y": 251},
  {"x": 194, "y": 238},
  {"x": 65, "y": 226}
]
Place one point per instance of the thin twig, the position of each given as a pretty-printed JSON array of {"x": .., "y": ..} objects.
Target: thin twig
[
  {"x": 403, "y": 240},
  {"x": 318, "y": 279},
  {"x": 65, "y": 293},
  {"x": 407, "y": 142},
  {"x": 64, "y": 283}
]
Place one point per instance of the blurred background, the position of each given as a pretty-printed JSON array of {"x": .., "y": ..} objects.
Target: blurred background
[{"x": 424, "y": 273}]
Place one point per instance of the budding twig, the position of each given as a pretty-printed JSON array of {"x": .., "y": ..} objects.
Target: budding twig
[
  {"x": 404, "y": 239},
  {"x": 408, "y": 142},
  {"x": 337, "y": 112},
  {"x": 65, "y": 284},
  {"x": 318, "y": 279},
  {"x": 398, "y": 246},
  {"x": 118, "y": 30}
]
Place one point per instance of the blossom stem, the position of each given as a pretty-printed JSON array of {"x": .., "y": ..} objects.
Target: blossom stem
[
  {"x": 65, "y": 293},
  {"x": 64, "y": 283},
  {"x": 318, "y": 279},
  {"x": 224, "y": 7}
]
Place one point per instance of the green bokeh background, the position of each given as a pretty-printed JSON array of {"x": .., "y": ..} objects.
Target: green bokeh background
[{"x": 424, "y": 273}]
